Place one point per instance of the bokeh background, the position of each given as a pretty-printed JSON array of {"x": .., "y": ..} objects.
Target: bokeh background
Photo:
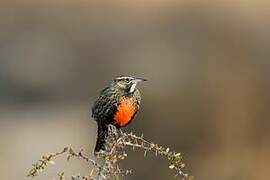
[{"x": 208, "y": 66}]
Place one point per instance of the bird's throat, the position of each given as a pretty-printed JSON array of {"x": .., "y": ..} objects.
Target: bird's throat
[{"x": 126, "y": 110}]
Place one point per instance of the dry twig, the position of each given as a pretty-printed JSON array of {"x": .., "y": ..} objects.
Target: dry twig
[{"x": 115, "y": 150}]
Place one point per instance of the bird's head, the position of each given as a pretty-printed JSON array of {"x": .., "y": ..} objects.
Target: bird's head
[{"x": 127, "y": 84}]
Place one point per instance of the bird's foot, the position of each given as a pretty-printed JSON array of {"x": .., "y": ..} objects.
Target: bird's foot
[{"x": 112, "y": 128}]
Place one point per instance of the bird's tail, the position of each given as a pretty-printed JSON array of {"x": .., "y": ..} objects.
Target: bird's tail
[{"x": 102, "y": 134}]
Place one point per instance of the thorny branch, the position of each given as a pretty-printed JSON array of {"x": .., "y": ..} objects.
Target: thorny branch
[{"x": 107, "y": 166}]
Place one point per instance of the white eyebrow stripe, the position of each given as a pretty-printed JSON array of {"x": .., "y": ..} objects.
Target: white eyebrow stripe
[{"x": 123, "y": 77}]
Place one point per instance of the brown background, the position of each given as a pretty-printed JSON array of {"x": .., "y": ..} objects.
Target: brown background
[{"x": 207, "y": 96}]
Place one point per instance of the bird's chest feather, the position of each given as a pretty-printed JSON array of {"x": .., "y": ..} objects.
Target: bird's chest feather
[{"x": 126, "y": 109}]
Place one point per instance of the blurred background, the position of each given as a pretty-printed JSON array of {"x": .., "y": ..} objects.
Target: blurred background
[{"x": 208, "y": 68}]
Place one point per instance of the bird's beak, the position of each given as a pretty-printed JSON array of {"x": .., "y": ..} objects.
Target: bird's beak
[{"x": 137, "y": 80}]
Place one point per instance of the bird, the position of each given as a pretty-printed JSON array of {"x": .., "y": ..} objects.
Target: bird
[{"x": 117, "y": 105}]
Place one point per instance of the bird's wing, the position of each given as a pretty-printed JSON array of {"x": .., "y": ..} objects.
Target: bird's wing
[{"x": 104, "y": 107}]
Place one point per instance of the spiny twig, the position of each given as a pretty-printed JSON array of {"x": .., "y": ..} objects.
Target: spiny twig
[{"x": 115, "y": 150}]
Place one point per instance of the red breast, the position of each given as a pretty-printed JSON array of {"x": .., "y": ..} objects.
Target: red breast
[{"x": 126, "y": 109}]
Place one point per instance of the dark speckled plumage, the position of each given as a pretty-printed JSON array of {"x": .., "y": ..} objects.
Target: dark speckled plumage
[{"x": 106, "y": 105}]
